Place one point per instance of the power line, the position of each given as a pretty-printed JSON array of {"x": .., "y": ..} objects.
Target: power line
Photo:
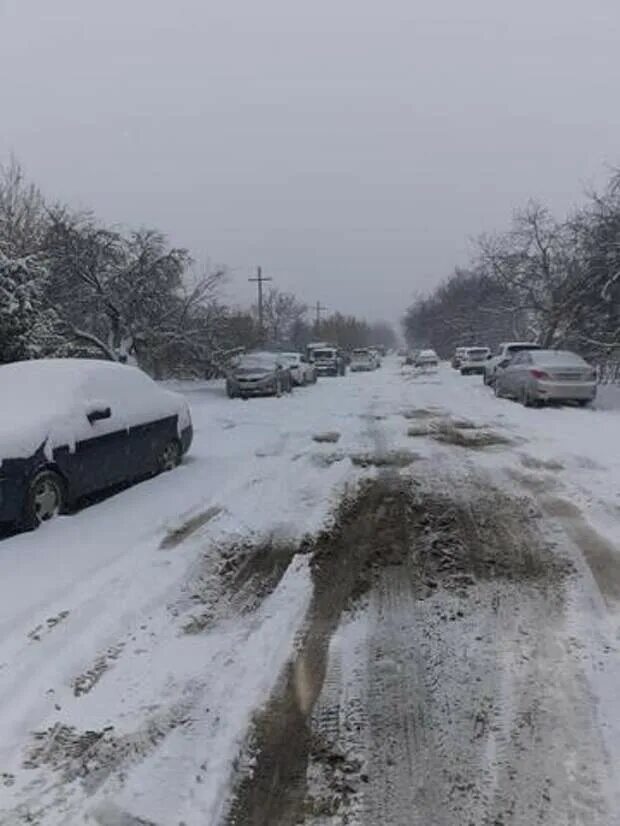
[
  {"x": 260, "y": 280},
  {"x": 319, "y": 308}
]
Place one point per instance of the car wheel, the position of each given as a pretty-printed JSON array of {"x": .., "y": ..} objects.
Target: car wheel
[
  {"x": 497, "y": 389},
  {"x": 485, "y": 378},
  {"x": 583, "y": 402},
  {"x": 170, "y": 457},
  {"x": 46, "y": 497},
  {"x": 278, "y": 387}
]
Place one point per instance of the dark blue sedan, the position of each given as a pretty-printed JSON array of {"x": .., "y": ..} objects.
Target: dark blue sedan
[{"x": 73, "y": 427}]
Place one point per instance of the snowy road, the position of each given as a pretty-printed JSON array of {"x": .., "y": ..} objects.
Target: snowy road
[{"x": 388, "y": 599}]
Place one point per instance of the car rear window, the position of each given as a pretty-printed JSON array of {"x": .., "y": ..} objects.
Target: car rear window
[{"x": 559, "y": 357}]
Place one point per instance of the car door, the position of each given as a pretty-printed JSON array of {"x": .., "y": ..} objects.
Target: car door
[
  {"x": 102, "y": 447},
  {"x": 520, "y": 373},
  {"x": 151, "y": 422},
  {"x": 509, "y": 380}
]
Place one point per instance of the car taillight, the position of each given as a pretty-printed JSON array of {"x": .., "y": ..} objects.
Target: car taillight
[{"x": 540, "y": 374}]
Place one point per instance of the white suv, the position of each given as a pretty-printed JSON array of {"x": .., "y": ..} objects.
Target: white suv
[{"x": 473, "y": 360}]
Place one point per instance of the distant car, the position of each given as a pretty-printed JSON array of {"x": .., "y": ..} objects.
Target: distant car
[
  {"x": 259, "y": 374},
  {"x": 363, "y": 359},
  {"x": 376, "y": 354},
  {"x": 73, "y": 427},
  {"x": 504, "y": 355},
  {"x": 456, "y": 358},
  {"x": 302, "y": 372},
  {"x": 328, "y": 361},
  {"x": 539, "y": 376},
  {"x": 473, "y": 360},
  {"x": 427, "y": 358}
]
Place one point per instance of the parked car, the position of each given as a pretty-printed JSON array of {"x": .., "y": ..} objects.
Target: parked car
[
  {"x": 503, "y": 357},
  {"x": 328, "y": 361},
  {"x": 302, "y": 372},
  {"x": 539, "y": 376},
  {"x": 315, "y": 345},
  {"x": 259, "y": 374},
  {"x": 73, "y": 427},
  {"x": 473, "y": 360},
  {"x": 376, "y": 354},
  {"x": 427, "y": 358},
  {"x": 456, "y": 358},
  {"x": 363, "y": 359}
]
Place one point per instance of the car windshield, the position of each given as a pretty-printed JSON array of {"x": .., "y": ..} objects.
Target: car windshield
[
  {"x": 477, "y": 351},
  {"x": 262, "y": 361},
  {"x": 324, "y": 354}
]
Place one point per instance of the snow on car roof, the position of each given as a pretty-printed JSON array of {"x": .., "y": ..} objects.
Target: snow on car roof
[{"x": 43, "y": 401}]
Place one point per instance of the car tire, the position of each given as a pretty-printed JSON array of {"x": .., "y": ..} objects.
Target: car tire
[
  {"x": 278, "y": 390},
  {"x": 584, "y": 402},
  {"x": 170, "y": 456},
  {"x": 46, "y": 497},
  {"x": 497, "y": 390},
  {"x": 485, "y": 379}
]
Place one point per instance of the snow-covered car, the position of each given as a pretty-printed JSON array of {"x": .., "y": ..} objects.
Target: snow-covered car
[
  {"x": 302, "y": 372},
  {"x": 259, "y": 374},
  {"x": 473, "y": 360},
  {"x": 539, "y": 376},
  {"x": 456, "y": 358},
  {"x": 427, "y": 358},
  {"x": 72, "y": 427},
  {"x": 503, "y": 357},
  {"x": 328, "y": 361},
  {"x": 363, "y": 359}
]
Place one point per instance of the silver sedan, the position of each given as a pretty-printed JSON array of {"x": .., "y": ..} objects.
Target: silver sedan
[{"x": 538, "y": 376}]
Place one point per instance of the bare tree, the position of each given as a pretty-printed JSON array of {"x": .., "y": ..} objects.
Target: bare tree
[{"x": 281, "y": 313}]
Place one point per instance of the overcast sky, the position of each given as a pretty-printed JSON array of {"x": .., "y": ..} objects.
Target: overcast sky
[{"x": 351, "y": 147}]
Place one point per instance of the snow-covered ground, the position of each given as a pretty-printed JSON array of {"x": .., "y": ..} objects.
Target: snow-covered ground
[{"x": 141, "y": 637}]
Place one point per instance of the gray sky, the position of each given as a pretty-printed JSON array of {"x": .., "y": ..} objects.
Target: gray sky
[{"x": 351, "y": 147}]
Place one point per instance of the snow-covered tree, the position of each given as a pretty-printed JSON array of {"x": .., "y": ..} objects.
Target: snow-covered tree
[{"x": 29, "y": 328}]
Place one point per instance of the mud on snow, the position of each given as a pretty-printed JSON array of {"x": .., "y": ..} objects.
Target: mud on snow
[{"x": 435, "y": 681}]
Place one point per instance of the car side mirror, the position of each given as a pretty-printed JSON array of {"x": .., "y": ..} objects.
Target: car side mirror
[
  {"x": 489, "y": 357},
  {"x": 98, "y": 413}
]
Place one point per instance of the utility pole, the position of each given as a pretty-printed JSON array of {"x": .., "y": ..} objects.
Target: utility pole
[
  {"x": 318, "y": 309},
  {"x": 260, "y": 280}
]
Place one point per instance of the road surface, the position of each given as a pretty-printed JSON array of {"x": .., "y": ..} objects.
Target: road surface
[{"x": 388, "y": 599}]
